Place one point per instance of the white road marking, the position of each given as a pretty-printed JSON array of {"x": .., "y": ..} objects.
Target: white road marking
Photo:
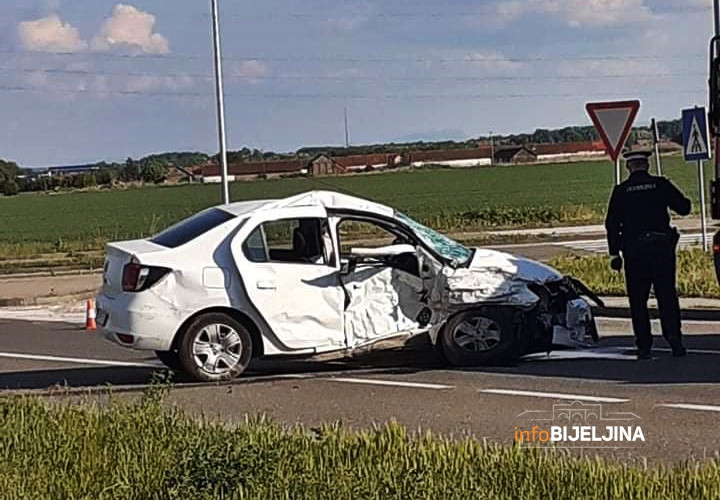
[
  {"x": 686, "y": 406},
  {"x": 600, "y": 245},
  {"x": 393, "y": 383},
  {"x": 654, "y": 321},
  {"x": 79, "y": 361},
  {"x": 553, "y": 395},
  {"x": 621, "y": 349},
  {"x": 587, "y": 354}
]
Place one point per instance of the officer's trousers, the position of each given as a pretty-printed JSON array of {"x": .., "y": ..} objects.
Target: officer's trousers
[{"x": 653, "y": 265}]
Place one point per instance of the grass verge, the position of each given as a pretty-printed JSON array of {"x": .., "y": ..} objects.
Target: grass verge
[
  {"x": 143, "y": 450},
  {"x": 695, "y": 274}
]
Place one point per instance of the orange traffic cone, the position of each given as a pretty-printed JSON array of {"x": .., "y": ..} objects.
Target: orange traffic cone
[{"x": 90, "y": 316}]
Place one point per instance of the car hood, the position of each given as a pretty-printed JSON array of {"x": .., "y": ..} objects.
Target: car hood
[
  {"x": 519, "y": 268},
  {"x": 493, "y": 277}
]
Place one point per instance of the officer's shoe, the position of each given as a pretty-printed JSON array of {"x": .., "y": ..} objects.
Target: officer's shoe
[
  {"x": 679, "y": 351},
  {"x": 644, "y": 354}
]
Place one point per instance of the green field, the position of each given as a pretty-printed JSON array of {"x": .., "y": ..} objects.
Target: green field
[{"x": 451, "y": 200}]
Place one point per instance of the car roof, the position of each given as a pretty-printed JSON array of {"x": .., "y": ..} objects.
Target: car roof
[{"x": 327, "y": 199}]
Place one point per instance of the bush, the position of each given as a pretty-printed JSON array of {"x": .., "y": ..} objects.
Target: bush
[
  {"x": 10, "y": 188},
  {"x": 695, "y": 271}
]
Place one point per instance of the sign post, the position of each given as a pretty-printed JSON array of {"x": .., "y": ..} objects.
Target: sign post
[
  {"x": 656, "y": 142},
  {"x": 696, "y": 149},
  {"x": 613, "y": 122}
]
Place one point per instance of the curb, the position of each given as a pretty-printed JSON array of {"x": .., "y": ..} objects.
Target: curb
[
  {"x": 44, "y": 300},
  {"x": 51, "y": 274},
  {"x": 685, "y": 314}
]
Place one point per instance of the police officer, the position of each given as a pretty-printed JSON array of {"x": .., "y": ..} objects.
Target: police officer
[{"x": 638, "y": 226}]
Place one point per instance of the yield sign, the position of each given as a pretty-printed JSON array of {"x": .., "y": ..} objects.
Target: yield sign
[{"x": 613, "y": 121}]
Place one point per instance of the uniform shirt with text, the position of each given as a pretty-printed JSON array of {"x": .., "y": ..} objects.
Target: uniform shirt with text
[{"x": 640, "y": 204}]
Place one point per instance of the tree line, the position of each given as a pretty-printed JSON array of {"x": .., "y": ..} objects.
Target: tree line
[{"x": 154, "y": 169}]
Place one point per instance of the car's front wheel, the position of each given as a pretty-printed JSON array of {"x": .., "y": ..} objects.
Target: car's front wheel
[
  {"x": 215, "y": 347},
  {"x": 483, "y": 336}
]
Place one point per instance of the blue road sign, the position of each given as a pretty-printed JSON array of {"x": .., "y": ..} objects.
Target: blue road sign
[{"x": 695, "y": 136}]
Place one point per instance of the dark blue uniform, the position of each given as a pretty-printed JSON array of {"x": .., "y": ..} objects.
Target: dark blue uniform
[{"x": 638, "y": 225}]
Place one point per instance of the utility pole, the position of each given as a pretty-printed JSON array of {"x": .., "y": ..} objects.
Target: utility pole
[
  {"x": 492, "y": 149},
  {"x": 220, "y": 95},
  {"x": 713, "y": 49},
  {"x": 347, "y": 133}
]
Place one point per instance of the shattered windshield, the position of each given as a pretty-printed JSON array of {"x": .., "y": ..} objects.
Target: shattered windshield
[{"x": 446, "y": 247}]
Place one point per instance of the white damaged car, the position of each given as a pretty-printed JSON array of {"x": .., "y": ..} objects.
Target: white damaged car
[{"x": 323, "y": 271}]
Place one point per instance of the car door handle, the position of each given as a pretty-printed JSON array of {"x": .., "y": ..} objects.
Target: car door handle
[{"x": 266, "y": 285}]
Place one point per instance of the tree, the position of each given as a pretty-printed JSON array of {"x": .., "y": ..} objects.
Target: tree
[
  {"x": 154, "y": 172},
  {"x": 105, "y": 176},
  {"x": 130, "y": 171},
  {"x": 9, "y": 171},
  {"x": 10, "y": 188}
]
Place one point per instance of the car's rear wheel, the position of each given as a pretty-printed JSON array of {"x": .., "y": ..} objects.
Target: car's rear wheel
[
  {"x": 171, "y": 359},
  {"x": 484, "y": 336},
  {"x": 215, "y": 347}
]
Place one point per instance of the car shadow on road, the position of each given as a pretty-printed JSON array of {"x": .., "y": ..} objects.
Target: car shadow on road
[{"x": 612, "y": 359}]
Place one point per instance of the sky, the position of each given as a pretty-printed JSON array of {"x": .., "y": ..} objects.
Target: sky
[{"x": 89, "y": 80}]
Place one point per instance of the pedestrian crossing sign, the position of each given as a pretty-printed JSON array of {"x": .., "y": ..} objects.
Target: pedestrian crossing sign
[{"x": 695, "y": 135}]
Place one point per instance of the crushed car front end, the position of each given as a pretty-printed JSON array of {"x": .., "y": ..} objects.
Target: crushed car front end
[{"x": 554, "y": 310}]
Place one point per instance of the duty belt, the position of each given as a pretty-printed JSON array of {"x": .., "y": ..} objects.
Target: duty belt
[{"x": 649, "y": 237}]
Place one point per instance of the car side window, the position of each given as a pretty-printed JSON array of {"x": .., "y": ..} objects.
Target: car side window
[
  {"x": 365, "y": 234},
  {"x": 288, "y": 240}
]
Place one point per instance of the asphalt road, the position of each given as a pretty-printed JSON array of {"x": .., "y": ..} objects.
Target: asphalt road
[{"x": 676, "y": 402}]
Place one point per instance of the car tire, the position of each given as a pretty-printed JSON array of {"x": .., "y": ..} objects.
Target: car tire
[
  {"x": 482, "y": 337},
  {"x": 171, "y": 359},
  {"x": 215, "y": 347}
]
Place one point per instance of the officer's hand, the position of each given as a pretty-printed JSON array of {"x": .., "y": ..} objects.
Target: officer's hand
[{"x": 616, "y": 263}]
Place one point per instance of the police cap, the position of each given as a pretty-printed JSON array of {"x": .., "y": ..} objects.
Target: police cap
[{"x": 637, "y": 155}]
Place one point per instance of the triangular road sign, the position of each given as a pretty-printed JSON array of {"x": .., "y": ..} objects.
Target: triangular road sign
[{"x": 613, "y": 122}]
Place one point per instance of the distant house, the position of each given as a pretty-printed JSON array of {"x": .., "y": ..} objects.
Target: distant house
[
  {"x": 236, "y": 171},
  {"x": 515, "y": 155},
  {"x": 72, "y": 170},
  {"x": 337, "y": 165},
  {"x": 325, "y": 165},
  {"x": 568, "y": 150},
  {"x": 471, "y": 157},
  {"x": 178, "y": 175}
]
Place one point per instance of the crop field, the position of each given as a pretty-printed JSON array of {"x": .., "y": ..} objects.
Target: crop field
[{"x": 447, "y": 199}]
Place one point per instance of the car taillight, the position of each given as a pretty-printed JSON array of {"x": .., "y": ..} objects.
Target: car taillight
[{"x": 137, "y": 277}]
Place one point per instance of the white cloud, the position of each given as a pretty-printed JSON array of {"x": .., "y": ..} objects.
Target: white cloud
[
  {"x": 576, "y": 13},
  {"x": 348, "y": 18},
  {"x": 50, "y": 34},
  {"x": 147, "y": 83},
  {"x": 131, "y": 28},
  {"x": 598, "y": 12},
  {"x": 614, "y": 67},
  {"x": 345, "y": 23},
  {"x": 250, "y": 69},
  {"x": 463, "y": 63}
]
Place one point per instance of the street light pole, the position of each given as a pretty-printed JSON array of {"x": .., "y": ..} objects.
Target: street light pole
[
  {"x": 220, "y": 95},
  {"x": 492, "y": 149}
]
